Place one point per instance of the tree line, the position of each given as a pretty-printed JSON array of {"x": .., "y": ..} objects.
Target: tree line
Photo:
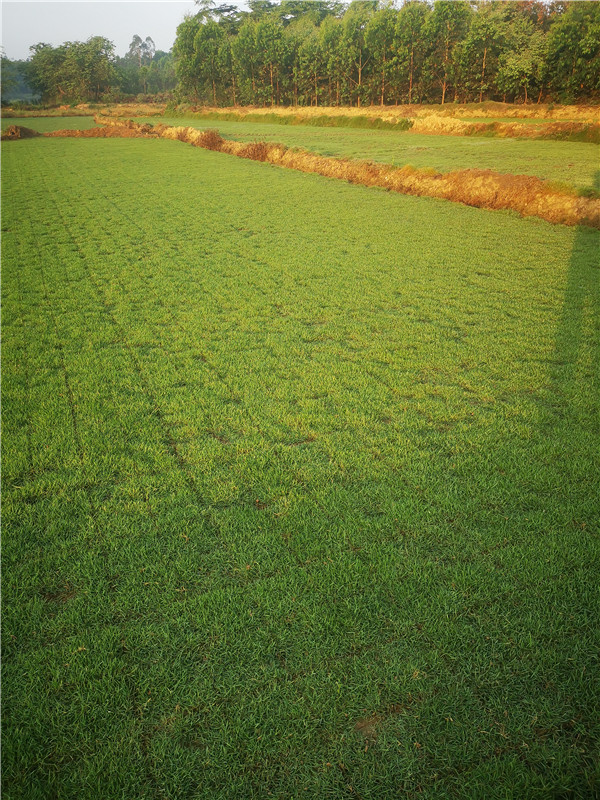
[
  {"x": 326, "y": 52},
  {"x": 76, "y": 72}
]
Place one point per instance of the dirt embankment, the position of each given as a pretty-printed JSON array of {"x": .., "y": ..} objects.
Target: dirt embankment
[
  {"x": 484, "y": 110},
  {"x": 577, "y": 123},
  {"x": 18, "y": 132},
  {"x": 558, "y": 130},
  {"x": 123, "y": 129}
]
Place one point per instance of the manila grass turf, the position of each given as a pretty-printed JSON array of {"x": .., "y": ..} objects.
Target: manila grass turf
[
  {"x": 572, "y": 163},
  {"x": 44, "y": 124},
  {"x": 299, "y": 485}
]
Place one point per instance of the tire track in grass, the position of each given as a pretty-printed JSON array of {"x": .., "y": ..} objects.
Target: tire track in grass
[
  {"x": 168, "y": 313},
  {"x": 165, "y": 427},
  {"x": 177, "y": 325},
  {"x": 312, "y": 293},
  {"x": 328, "y": 451},
  {"x": 27, "y": 384}
]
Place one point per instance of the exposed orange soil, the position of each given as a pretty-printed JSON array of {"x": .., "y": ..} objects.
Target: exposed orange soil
[
  {"x": 124, "y": 130},
  {"x": 18, "y": 132}
]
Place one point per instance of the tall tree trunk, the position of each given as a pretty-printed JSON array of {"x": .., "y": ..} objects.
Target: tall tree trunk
[
  {"x": 410, "y": 80},
  {"x": 446, "y": 60},
  {"x": 482, "y": 74}
]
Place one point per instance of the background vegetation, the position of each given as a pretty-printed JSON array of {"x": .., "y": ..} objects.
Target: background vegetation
[{"x": 328, "y": 53}]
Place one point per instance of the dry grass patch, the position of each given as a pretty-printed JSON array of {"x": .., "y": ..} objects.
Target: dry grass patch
[
  {"x": 451, "y": 126},
  {"x": 483, "y": 110},
  {"x": 120, "y": 130}
]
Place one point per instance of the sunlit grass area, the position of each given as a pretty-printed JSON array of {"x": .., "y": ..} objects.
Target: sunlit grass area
[
  {"x": 43, "y": 124},
  {"x": 574, "y": 163},
  {"x": 300, "y": 485}
]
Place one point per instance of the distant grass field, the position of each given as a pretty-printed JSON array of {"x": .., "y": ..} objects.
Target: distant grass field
[
  {"x": 43, "y": 124},
  {"x": 300, "y": 486},
  {"x": 574, "y": 163}
]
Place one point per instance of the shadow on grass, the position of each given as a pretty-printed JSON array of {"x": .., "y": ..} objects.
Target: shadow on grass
[{"x": 575, "y": 371}]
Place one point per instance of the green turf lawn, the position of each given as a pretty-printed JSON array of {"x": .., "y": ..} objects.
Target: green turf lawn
[
  {"x": 43, "y": 124},
  {"x": 575, "y": 163},
  {"x": 300, "y": 486}
]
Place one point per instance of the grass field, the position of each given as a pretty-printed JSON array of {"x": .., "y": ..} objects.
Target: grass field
[
  {"x": 575, "y": 163},
  {"x": 43, "y": 124},
  {"x": 300, "y": 485}
]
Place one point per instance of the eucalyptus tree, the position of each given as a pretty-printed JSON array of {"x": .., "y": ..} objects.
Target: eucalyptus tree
[
  {"x": 446, "y": 27},
  {"x": 478, "y": 53},
  {"x": 331, "y": 39},
  {"x": 270, "y": 50},
  {"x": 379, "y": 37},
  {"x": 311, "y": 63},
  {"x": 208, "y": 54},
  {"x": 187, "y": 62},
  {"x": 410, "y": 44},
  {"x": 245, "y": 58},
  {"x": 356, "y": 55}
]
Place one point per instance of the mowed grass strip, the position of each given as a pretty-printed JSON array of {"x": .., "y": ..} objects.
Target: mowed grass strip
[
  {"x": 299, "y": 485},
  {"x": 572, "y": 163},
  {"x": 45, "y": 124}
]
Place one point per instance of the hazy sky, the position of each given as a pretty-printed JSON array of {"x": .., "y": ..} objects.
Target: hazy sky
[{"x": 27, "y": 22}]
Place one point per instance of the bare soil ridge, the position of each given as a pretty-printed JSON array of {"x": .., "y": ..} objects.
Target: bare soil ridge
[{"x": 582, "y": 125}]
